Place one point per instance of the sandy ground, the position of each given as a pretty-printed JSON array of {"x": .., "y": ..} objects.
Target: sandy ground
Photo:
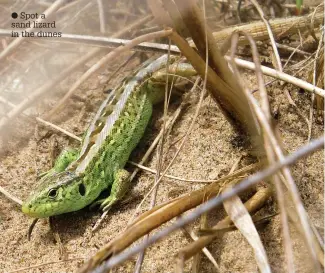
[{"x": 209, "y": 152}]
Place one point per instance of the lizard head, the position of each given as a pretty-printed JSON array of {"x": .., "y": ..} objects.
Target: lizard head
[{"x": 56, "y": 194}]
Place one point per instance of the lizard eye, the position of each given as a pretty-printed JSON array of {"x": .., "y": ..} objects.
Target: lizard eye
[{"x": 52, "y": 193}]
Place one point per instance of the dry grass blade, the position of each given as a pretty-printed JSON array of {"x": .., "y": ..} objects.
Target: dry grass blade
[
  {"x": 172, "y": 176},
  {"x": 316, "y": 77},
  {"x": 197, "y": 258},
  {"x": 102, "y": 20},
  {"x": 243, "y": 221}
]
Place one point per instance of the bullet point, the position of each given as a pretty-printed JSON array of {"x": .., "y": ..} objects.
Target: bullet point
[{"x": 14, "y": 15}]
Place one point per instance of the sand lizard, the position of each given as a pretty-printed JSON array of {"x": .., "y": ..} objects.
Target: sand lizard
[{"x": 79, "y": 176}]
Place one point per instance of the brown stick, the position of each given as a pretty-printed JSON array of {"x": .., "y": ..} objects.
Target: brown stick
[{"x": 252, "y": 205}]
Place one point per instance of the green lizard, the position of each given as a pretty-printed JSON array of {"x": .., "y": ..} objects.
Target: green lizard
[{"x": 79, "y": 176}]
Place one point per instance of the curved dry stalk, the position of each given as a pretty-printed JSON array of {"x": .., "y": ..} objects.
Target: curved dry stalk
[
  {"x": 270, "y": 33},
  {"x": 267, "y": 145},
  {"x": 244, "y": 223},
  {"x": 242, "y": 220},
  {"x": 305, "y": 150},
  {"x": 206, "y": 252},
  {"x": 312, "y": 22},
  {"x": 293, "y": 50}
]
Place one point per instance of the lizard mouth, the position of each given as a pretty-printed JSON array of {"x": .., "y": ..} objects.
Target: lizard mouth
[{"x": 28, "y": 211}]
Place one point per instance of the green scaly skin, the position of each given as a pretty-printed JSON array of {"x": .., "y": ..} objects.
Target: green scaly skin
[{"x": 63, "y": 189}]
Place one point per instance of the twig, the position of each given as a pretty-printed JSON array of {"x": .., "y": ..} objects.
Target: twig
[
  {"x": 43, "y": 264},
  {"x": 58, "y": 129},
  {"x": 140, "y": 259},
  {"x": 101, "y": 13},
  {"x": 206, "y": 252},
  {"x": 171, "y": 176},
  {"x": 292, "y": 49},
  {"x": 281, "y": 76},
  {"x": 312, "y": 101},
  {"x": 252, "y": 205},
  {"x": 190, "y": 217},
  {"x": 10, "y": 196},
  {"x": 320, "y": 44}
]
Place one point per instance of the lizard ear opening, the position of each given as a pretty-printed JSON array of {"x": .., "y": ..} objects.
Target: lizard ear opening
[{"x": 82, "y": 189}]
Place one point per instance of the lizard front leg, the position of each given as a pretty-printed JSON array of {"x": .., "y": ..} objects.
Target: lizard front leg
[{"x": 120, "y": 186}]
